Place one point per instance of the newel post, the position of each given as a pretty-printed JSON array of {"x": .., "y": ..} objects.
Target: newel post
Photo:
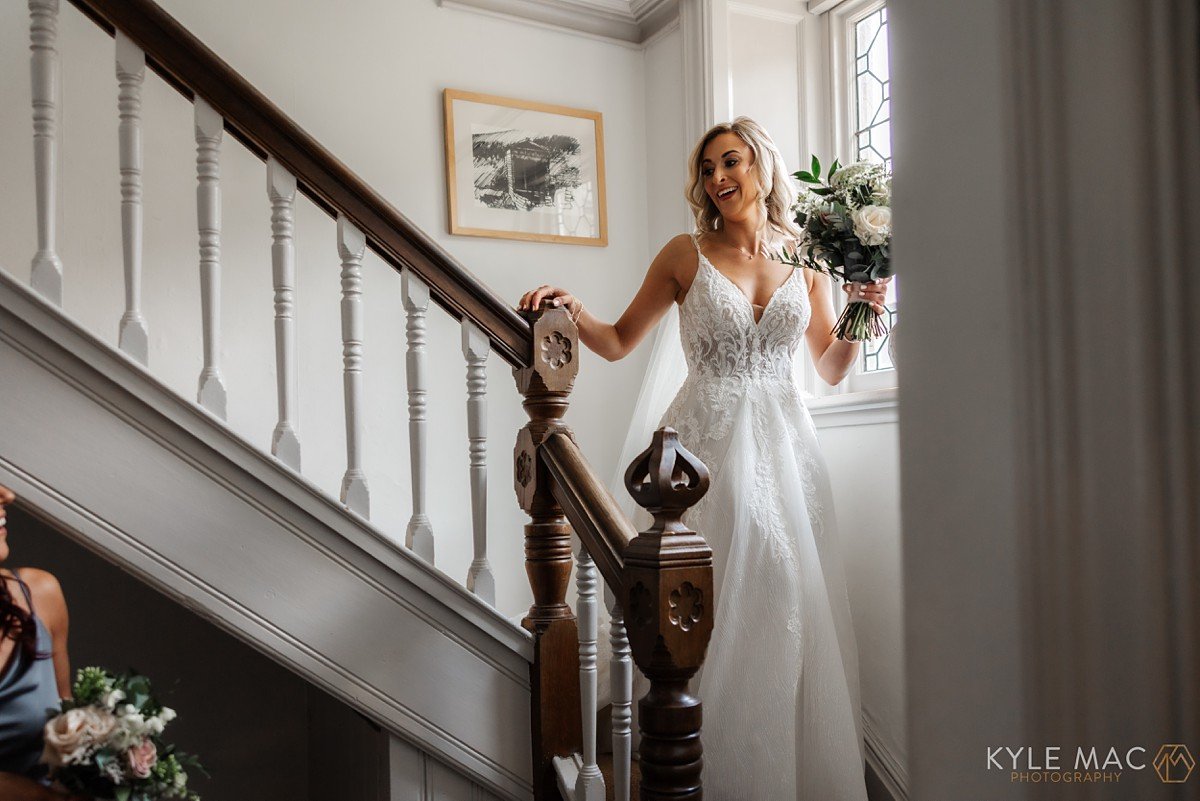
[
  {"x": 546, "y": 386},
  {"x": 669, "y": 615}
]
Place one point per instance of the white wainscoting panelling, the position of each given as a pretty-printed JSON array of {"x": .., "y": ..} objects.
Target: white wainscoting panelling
[{"x": 416, "y": 776}]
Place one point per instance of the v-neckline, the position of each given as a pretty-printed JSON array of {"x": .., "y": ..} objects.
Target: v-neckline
[{"x": 742, "y": 294}]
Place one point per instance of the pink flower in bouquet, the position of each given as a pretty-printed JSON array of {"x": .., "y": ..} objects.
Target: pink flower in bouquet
[
  {"x": 141, "y": 758},
  {"x": 71, "y": 736}
]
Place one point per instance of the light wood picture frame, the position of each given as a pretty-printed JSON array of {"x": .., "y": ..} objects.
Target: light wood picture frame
[{"x": 516, "y": 169}]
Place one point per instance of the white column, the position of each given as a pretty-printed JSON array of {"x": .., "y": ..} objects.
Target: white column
[
  {"x": 351, "y": 247},
  {"x": 209, "y": 127},
  {"x": 419, "y": 536},
  {"x": 708, "y": 92},
  {"x": 621, "y": 680},
  {"x": 281, "y": 189},
  {"x": 46, "y": 274},
  {"x": 590, "y": 784},
  {"x": 132, "y": 336},
  {"x": 476, "y": 346}
]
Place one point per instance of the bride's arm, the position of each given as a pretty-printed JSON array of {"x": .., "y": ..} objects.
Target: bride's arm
[
  {"x": 658, "y": 291},
  {"x": 835, "y": 357}
]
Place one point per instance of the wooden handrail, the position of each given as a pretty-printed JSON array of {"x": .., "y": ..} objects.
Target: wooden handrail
[
  {"x": 589, "y": 506},
  {"x": 195, "y": 70}
]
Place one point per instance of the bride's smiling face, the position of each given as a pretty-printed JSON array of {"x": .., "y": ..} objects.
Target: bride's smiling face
[{"x": 729, "y": 180}]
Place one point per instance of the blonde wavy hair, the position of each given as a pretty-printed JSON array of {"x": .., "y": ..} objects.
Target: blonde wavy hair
[{"x": 775, "y": 190}]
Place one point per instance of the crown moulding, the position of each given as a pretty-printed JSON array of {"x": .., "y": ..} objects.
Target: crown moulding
[{"x": 628, "y": 21}]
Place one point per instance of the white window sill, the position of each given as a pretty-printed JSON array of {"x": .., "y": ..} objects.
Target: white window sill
[{"x": 867, "y": 408}]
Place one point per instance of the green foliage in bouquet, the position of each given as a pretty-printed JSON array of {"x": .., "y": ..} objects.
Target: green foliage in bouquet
[
  {"x": 105, "y": 741},
  {"x": 846, "y": 220}
]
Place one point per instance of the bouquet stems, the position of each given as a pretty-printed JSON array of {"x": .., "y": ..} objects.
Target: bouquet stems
[{"x": 859, "y": 323}]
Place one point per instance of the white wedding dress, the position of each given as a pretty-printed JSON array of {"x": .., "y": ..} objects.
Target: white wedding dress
[{"x": 780, "y": 680}]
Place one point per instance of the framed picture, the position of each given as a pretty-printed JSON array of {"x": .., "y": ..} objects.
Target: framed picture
[{"x": 522, "y": 170}]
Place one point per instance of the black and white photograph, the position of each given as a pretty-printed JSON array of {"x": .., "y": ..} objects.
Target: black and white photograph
[{"x": 524, "y": 170}]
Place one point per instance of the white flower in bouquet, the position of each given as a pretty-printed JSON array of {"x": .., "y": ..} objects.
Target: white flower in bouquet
[
  {"x": 881, "y": 191},
  {"x": 872, "y": 224},
  {"x": 155, "y": 724},
  {"x": 71, "y": 737},
  {"x": 114, "y": 772},
  {"x": 112, "y": 698},
  {"x": 808, "y": 203},
  {"x": 853, "y": 175}
]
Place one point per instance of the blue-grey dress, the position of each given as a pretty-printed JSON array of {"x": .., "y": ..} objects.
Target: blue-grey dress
[{"x": 28, "y": 689}]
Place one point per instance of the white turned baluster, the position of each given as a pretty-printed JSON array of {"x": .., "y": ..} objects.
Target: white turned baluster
[
  {"x": 281, "y": 189},
  {"x": 46, "y": 275},
  {"x": 419, "y": 537},
  {"x": 475, "y": 346},
  {"x": 209, "y": 127},
  {"x": 132, "y": 336},
  {"x": 621, "y": 678},
  {"x": 351, "y": 246},
  {"x": 590, "y": 784}
]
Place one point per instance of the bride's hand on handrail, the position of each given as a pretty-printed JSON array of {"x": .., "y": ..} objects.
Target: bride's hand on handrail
[{"x": 556, "y": 296}]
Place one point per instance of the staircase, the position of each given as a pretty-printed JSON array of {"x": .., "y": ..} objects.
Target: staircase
[{"x": 239, "y": 535}]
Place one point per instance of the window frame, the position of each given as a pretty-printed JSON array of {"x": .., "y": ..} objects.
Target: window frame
[{"x": 838, "y": 63}]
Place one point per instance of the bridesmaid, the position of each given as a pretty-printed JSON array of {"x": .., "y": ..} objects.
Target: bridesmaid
[{"x": 34, "y": 672}]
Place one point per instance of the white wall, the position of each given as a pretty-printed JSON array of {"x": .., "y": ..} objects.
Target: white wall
[
  {"x": 365, "y": 79},
  {"x": 864, "y": 465}
]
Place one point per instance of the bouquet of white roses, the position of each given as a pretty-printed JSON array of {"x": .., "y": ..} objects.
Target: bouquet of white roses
[
  {"x": 846, "y": 220},
  {"x": 106, "y": 741}
]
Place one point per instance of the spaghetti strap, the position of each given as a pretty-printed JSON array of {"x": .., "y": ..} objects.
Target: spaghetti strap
[{"x": 16, "y": 571}]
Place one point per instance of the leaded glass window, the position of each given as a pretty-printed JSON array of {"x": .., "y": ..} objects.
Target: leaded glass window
[
  {"x": 872, "y": 89},
  {"x": 873, "y": 139}
]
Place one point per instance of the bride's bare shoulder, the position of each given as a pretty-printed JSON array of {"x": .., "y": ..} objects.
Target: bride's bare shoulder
[
  {"x": 679, "y": 249},
  {"x": 675, "y": 264},
  {"x": 677, "y": 258}
]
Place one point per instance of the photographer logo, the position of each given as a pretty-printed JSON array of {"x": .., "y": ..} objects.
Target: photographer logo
[{"x": 1174, "y": 763}]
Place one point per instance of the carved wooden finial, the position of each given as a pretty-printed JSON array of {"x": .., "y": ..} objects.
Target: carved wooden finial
[
  {"x": 666, "y": 479},
  {"x": 555, "y": 358}
]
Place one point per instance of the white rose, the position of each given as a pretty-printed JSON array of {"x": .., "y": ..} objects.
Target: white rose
[
  {"x": 71, "y": 736},
  {"x": 872, "y": 224}
]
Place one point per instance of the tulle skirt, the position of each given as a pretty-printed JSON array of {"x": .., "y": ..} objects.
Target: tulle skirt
[{"x": 780, "y": 683}]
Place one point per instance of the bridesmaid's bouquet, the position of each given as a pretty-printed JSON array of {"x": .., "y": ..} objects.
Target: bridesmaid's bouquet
[
  {"x": 846, "y": 220},
  {"x": 106, "y": 741}
]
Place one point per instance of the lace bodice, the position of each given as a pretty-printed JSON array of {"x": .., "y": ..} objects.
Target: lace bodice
[{"x": 722, "y": 340}]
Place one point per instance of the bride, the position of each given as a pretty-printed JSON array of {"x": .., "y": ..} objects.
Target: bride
[{"x": 780, "y": 680}]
